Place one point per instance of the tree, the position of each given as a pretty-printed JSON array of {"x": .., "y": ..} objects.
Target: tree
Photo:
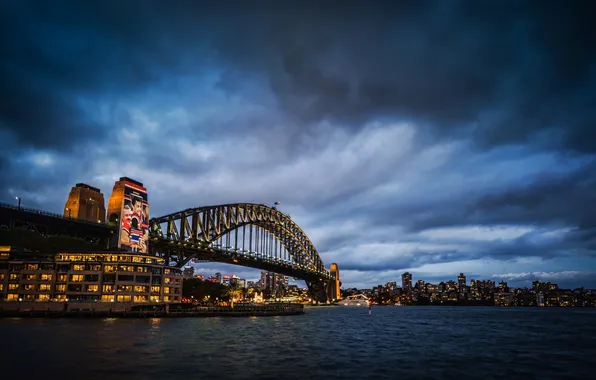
[
  {"x": 233, "y": 292},
  {"x": 199, "y": 289}
]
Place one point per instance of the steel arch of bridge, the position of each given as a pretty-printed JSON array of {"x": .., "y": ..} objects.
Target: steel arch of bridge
[{"x": 190, "y": 233}]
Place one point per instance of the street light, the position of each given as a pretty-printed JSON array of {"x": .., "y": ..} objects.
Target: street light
[
  {"x": 19, "y": 199},
  {"x": 67, "y": 209}
]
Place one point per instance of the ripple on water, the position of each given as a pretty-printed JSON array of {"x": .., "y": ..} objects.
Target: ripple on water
[{"x": 338, "y": 343}]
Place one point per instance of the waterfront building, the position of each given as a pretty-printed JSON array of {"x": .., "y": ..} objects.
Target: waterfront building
[
  {"x": 406, "y": 282},
  {"x": 87, "y": 277},
  {"x": 461, "y": 282},
  {"x": 86, "y": 203}
]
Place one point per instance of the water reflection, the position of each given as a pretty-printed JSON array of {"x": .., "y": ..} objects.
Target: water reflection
[{"x": 345, "y": 343}]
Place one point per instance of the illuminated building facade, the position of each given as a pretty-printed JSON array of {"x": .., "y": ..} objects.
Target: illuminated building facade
[
  {"x": 406, "y": 282},
  {"x": 87, "y": 277},
  {"x": 461, "y": 282},
  {"x": 128, "y": 207},
  {"x": 85, "y": 202}
]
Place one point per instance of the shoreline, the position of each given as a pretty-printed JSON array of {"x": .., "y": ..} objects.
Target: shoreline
[
  {"x": 116, "y": 310},
  {"x": 146, "y": 314}
]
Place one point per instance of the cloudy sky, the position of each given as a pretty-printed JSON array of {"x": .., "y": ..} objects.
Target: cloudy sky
[{"x": 430, "y": 137}]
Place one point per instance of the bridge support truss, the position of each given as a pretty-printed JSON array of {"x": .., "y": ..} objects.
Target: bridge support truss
[{"x": 245, "y": 234}]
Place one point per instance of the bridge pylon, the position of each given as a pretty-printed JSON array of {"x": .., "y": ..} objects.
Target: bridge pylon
[{"x": 320, "y": 289}]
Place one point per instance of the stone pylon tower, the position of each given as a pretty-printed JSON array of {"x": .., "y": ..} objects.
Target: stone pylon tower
[
  {"x": 334, "y": 292},
  {"x": 128, "y": 208},
  {"x": 86, "y": 203}
]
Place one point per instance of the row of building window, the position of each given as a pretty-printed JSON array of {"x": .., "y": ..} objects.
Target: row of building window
[
  {"x": 88, "y": 277},
  {"x": 108, "y": 258},
  {"x": 104, "y": 298},
  {"x": 88, "y": 288},
  {"x": 96, "y": 268}
]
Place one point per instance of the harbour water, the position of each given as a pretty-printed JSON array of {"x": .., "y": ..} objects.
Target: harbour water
[{"x": 325, "y": 343}]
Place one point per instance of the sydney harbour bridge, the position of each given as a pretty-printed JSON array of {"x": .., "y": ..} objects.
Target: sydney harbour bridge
[{"x": 246, "y": 234}]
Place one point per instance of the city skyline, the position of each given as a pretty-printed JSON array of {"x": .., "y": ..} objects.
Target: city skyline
[{"x": 462, "y": 140}]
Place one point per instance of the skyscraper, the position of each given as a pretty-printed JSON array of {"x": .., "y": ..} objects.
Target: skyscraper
[
  {"x": 461, "y": 282},
  {"x": 406, "y": 282}
]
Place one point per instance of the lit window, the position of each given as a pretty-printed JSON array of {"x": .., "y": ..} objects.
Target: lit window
[
  {"x": 92, "y": 288},
  {"x": 78, "y": 267},
  {"x": 76, "y": 277},
  {"x": 13, "y": 286},
  {"x": 45, "y": 287},
  {"x": 46, "y": 277}
]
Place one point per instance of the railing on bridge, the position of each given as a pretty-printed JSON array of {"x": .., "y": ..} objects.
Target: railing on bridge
[{"x": 51, "y": 214}]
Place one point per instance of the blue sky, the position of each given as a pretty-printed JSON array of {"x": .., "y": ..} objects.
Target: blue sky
[{"x": 434, "y": 138}]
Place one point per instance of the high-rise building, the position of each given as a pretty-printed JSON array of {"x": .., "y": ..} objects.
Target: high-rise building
[
  {"x": 461, "y": 282},
  {"x": 406, "y": 282},
  {"x": 85, "y": 202},
  {"x": 273, "y": 281},
  {"x": 238, "y": 282},
  {"x": 218, "y": 278},
  {"x": 129, "y": 209}
]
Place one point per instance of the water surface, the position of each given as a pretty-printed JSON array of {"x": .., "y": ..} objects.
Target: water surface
[{"x": 326, "y": 343}]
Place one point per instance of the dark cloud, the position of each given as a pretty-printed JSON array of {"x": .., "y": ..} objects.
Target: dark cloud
[
  {"x": 299, "y": 102},
  {"x": 553, "y": 198}
]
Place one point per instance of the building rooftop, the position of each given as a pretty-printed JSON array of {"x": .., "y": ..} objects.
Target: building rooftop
[
  {"x": 85, "y": 186},
  {"x": 131, "y": 181}
]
